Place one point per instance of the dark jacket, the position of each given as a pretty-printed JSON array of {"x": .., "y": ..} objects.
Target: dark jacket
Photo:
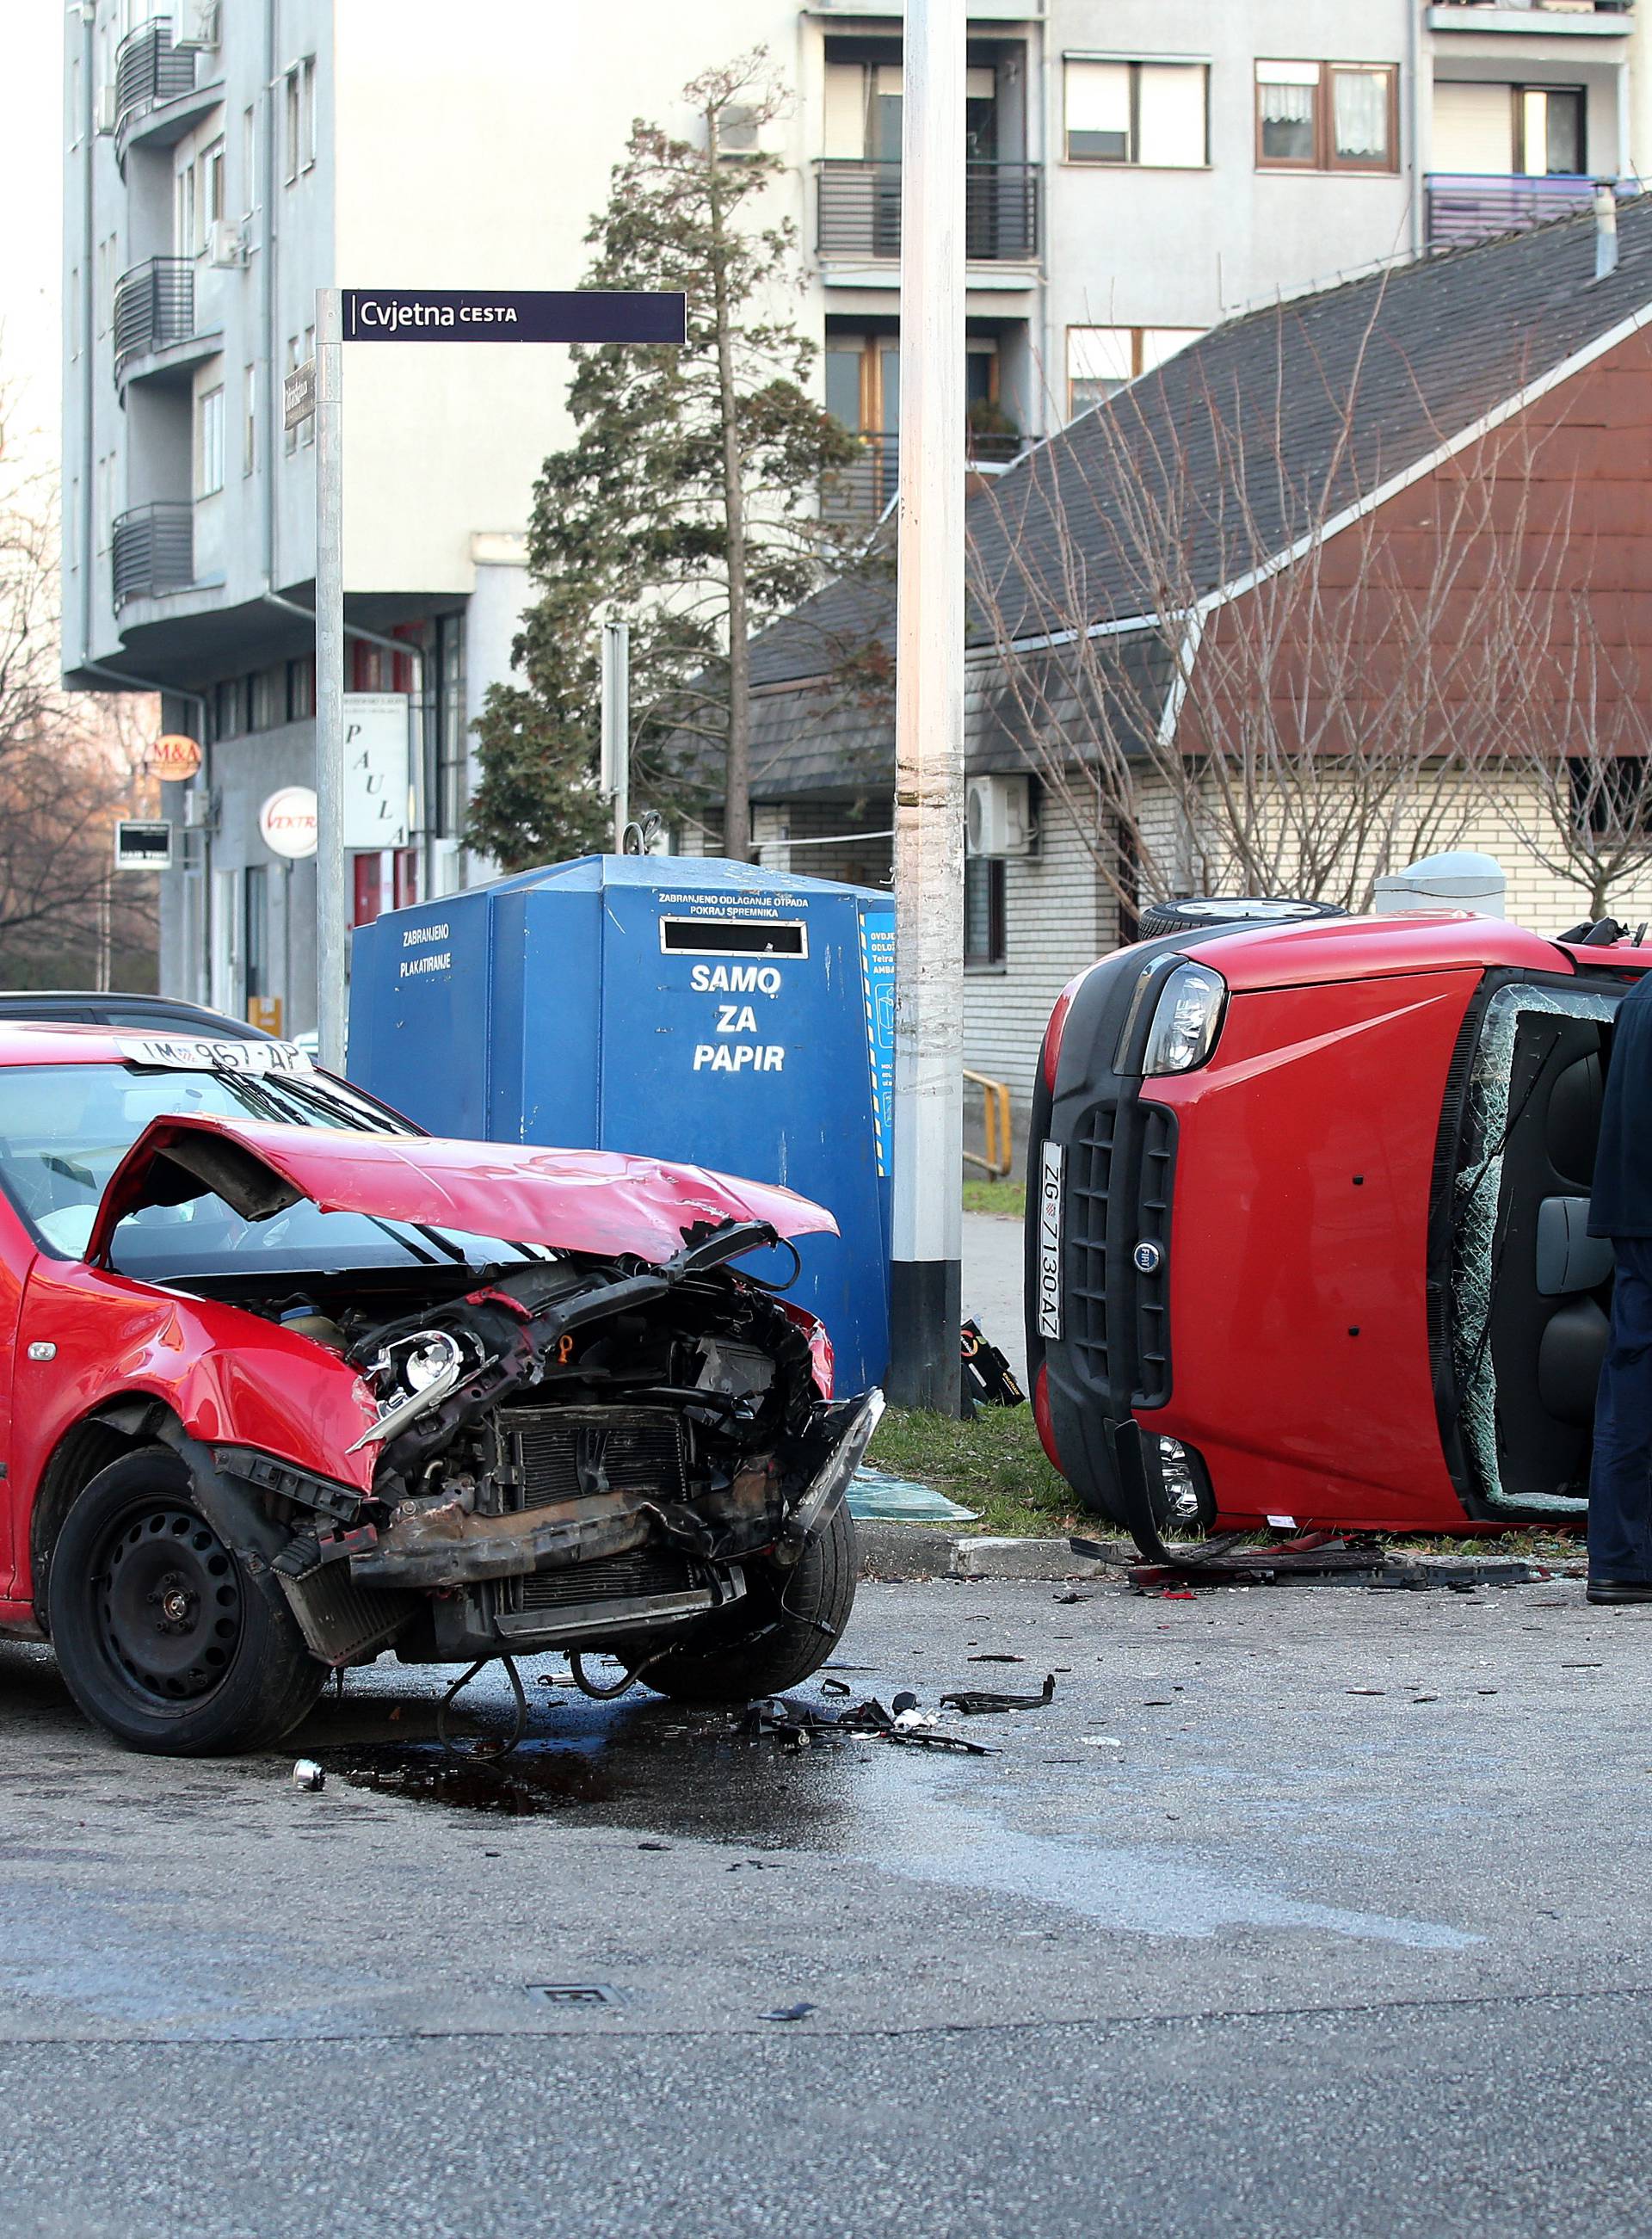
[{"x": 1622, "y": 1204}]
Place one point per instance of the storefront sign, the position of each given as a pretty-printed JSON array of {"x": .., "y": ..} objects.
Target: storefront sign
[
  {"x": 142, "y": 846},
  {"x": 173, "y": 757},
  {"x": 287, "y": 821},
  {"x": 375, "y": 769}
]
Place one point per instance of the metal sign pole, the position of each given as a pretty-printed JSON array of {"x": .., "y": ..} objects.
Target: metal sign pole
[
  {"x": 616, "y": 725},
  {"x": 330, "y": 900},
  {"x": 924, "y": 1368}
]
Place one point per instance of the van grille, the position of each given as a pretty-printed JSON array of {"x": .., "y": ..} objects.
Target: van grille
[
  {"x": 1114, "y": 1197},
  {"x": 1088, "y": 1198}
]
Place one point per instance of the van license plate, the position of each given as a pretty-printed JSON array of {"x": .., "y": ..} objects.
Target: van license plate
[{"x": 1050, "y": 1241}]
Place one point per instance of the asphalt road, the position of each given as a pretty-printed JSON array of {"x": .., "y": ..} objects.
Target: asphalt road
[{"x": 1290, "y": 1959}]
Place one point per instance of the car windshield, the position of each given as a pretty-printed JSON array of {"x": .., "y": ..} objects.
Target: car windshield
[{"x": 64, "y": 1129}]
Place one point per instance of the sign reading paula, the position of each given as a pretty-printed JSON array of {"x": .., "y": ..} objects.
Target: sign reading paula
[{"x": 489, "y": 314}]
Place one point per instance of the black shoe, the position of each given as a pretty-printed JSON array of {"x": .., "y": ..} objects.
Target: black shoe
[{"x": 1620, "y": 1590}]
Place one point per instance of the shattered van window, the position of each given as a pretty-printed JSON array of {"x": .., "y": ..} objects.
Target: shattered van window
[{"x": 1478, "y": 1189}]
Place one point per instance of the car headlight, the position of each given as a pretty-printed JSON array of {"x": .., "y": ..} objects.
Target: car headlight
[{"x": 1186, "y": 1019}]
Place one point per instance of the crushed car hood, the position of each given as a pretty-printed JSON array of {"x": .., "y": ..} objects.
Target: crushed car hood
[{"x": 599, "y": 1202}]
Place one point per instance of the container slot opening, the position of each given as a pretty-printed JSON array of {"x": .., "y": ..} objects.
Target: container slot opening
[{"x": 733, "y": 936}]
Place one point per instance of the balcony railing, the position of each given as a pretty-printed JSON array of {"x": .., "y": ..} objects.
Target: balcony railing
[
  {"x": 862, "y": 490},
  {"x": 859, "y": 211},
  {"x": 154, "y": 551},
  {"x": 154, "y": 306},
  {"x": 1464, "y": 206},
  {"x": 148, "y": 68},
  {"x": 1529, "y": 15}
]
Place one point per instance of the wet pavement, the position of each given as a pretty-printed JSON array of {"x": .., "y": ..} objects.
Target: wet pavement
[{"x": 1296, "y": 1910}]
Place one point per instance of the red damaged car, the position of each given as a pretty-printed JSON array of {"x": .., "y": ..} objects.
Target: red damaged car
[
  {"x": 1307, "y": 1232},
  {"x": 289, "y": 1383}
]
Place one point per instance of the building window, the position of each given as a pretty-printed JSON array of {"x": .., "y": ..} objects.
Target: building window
[
  {"x": 1100, "y": 360},
  {"x": 229, "y": 707},
  {"x": 209, "y": 444},
  {"x": 301, "y": 688},
  {"x": 187, "y": 210},
  {"x": 307, "y": 111},
  {"x": 983, "y": 911},
  {"x": 255, "y": 944},
  {"x": 249, "y": 419},
  {"x": 248, "y": 161},
  {"x": 451, "y": 789},
  {"x": 1156, "y": 114},
  {"x": 267, "y": 698},
  {"x": 214, "y": 194},
  {"x": 1327, "y": 117},
  {"x": 292, "y": 137}
]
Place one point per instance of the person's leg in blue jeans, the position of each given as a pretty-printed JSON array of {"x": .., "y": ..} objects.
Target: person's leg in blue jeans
[{"x": 1620, "y": 1485}]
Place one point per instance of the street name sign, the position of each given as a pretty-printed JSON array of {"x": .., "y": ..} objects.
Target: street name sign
[
  {"x": 142, "y": 845},
  {"x": 495, "y": 315}
]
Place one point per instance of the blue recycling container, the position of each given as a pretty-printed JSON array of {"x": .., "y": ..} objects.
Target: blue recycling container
[{"x": 675, "y": 1007}]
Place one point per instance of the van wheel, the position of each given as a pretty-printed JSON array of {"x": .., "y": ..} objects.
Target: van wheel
[
  {"x": 1226, "y": 913},
  {"x": 799, "y": 1617},
  {"x": 161, "y": 1636}
]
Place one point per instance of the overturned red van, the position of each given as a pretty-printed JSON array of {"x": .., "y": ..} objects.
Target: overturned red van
[{"x": 1307, "y": 1224}]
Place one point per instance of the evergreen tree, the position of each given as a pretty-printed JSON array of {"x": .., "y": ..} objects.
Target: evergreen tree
[{"x": 689, "y": 503}]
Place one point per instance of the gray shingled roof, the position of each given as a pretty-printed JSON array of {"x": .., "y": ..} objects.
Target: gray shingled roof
[{"x": 1269, "y": 421}]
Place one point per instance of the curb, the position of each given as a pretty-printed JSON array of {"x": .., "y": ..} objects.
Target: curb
[{"x": 895, "y": 1552}]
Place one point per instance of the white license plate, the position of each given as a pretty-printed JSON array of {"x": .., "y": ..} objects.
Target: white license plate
[{"x": 1050, "y": 1241}]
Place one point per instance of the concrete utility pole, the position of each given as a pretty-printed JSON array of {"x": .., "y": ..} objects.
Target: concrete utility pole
[
  {"x": 924, "y": 1369},
  {"x": 329, "y": 680},
  {"x": 615, "y": 773}
]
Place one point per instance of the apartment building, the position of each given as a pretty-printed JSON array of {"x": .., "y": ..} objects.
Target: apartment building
[{"x": 1135, "y": 168}]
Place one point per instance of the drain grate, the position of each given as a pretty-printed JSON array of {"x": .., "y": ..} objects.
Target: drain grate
[{"x": 575, "y": 1994}]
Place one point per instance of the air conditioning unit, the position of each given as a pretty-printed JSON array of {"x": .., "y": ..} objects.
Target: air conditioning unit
[
  {"x": 738, "y": 130},
  {"x": 106, "y": 113},
  {"x": 998, "y": 816},
  {"x": 202, "y": 24},
  {"x": 226, "y": 243}
]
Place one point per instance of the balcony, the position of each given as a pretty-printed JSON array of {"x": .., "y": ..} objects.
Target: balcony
[
  {"x": 1464, "y": 206},
  {"x": 863, "y": 490},
  {"x": 149, "y": 70},
  {"x": 154, "y": 308},
  {"x": 154, "y": 552},
  {"x": 1598, "y": 19},
  {"x": 859, "y": 211}
]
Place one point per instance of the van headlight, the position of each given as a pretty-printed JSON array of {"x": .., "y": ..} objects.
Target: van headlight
[{"x": 1187, "y": 1020}]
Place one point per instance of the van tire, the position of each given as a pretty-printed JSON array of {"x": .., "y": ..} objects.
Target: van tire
[
  {"x": 1216, "y": 913},
  {"x": 162, "y": 1635}
]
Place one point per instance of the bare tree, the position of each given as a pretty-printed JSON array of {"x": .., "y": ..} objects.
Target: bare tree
[
  {"x": 1226, "y": 671},
  {"x": 1580, "y": 795},
  {"x": 69, "y": 763}
]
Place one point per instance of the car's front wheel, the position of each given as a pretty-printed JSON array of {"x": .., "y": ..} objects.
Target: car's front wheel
[
  {"x": 790, "y": 1625},
  {"x": 159, "y": 1634}
]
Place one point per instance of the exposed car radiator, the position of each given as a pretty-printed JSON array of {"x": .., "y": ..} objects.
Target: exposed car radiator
[{"x": 559, "y": 1452}]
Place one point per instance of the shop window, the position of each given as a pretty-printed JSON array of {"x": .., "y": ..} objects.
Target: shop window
[
  {"x": 255, "y": 945},
  {"x": 1156, "y": 114},
  {"x": 301, "y": 688},
  {"x": 1327, "y": 117},
  {"x": 452, "y": 788}
]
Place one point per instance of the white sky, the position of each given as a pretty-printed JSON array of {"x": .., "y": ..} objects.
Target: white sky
[{"x": 31, "y": 219}]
